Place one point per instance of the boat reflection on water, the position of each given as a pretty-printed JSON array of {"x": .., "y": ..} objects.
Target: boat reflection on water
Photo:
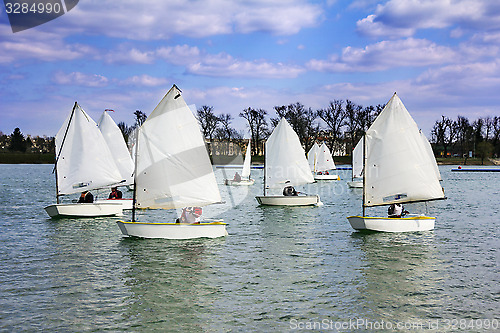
[
  {"x": 168, "y": 280},
  {"x": 400, "y": 277}
]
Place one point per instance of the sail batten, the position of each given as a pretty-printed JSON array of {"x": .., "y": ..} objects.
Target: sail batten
[
  {"x": 173, "y": 166},
  {"x": 399, "y": 166}
]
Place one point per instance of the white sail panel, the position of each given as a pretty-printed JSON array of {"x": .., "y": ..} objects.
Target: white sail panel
[
  {"x": 118, "y": 147},
  {"x": 84, "y": 159},
  {"x": 399, "y": 167},
  {"x": 428, "y": 146},
  {"x": 357, "y": 160},
  {"x": 245, "y": 173},
  {"x": 325, "y": 160},
  {"x": 285, "y": 158},
  {"x": 173, "y": 166},
  {"x": 312, "y": 156}
]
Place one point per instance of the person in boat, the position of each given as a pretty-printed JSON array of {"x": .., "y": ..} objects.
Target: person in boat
[
  {"x": 86, "y": 197},
  {"x": 396, "y": 211},
  {"x": 190, "y": 215},
  {"x": 289, "y": 190},
  {"x": 237, "y": 177},
  {"x": 115, "y": 193}
]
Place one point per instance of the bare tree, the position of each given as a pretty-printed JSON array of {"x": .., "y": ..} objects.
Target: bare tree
[
  {"x": 126, "y": 130},
  {"x": 140, "y": 118},
  {"x": 208, "y": 121},
  {"x": 353, "y": 129},
  {"x": 333, "y": 116},
  {"x": 302, "y": 120},
  {"x": 258, "y": 126}
]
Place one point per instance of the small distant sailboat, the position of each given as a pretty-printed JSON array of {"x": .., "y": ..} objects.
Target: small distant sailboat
[
  {"x": 398, "y": 168},
  {"x": 286, "y": 165},
  {"x": 323, "y": 164},
  {"x": 172, "y": 171},
  {"x": 357, "y": 166},
  {"x": 244, "y": 179},
  {"x": 121, "y": 155},
  {"x": 83, "y": 163}
]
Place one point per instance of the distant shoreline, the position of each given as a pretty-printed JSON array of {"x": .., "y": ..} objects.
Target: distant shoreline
[{"x": 33, "y": 158}]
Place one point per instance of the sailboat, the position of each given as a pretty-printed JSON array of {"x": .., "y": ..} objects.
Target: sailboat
[
  {"x": 285, "y": 165},
  {"x": 121, "y": 155},
  {"x": 324, "y": 164},
  {"x": 312, "y": 156},
  {"x": 399, "y": 168},
  {"x": 245, "y": 179},
  {"x": 83, "y": 163},
  {"x": 357, "y": 166},
  {"x": 172, "y": 171}
]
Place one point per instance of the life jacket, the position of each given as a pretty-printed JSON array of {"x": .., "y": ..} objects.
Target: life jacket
[{"x": 197, "y": 211}]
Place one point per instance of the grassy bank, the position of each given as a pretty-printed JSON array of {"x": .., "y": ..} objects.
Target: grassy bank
[
  {"x": 462, "y": 161},
  {"x": 26, "y": 158}
]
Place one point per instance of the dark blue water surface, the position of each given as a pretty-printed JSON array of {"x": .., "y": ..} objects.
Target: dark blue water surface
[{"x": 280, "y": 269}]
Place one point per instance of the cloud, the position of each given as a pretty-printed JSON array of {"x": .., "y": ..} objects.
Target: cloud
[
  {"x": 159, "y": 19},
  {"x": 402, "y": 18},
  {"x": 43, "y": 46},
  {"x": 223, "y": 65},
  {"x": 144, "y": 80},
  {"x": 385, "y": 55},
  {"x": 80, "y": 79}
]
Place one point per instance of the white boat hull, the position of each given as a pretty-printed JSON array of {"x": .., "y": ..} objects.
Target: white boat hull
[
  {"x": 386, "y": 224},
  {"x": 281, "y": 200},
  {"x": 173, "y": 230},
  {"x": 326, "y": 177},
  {"x": 243, "y": 182},
  {"x": 355, "y": 184},
  {"x": 84, "y": 209},
  {"x": 126, "y": 203}
]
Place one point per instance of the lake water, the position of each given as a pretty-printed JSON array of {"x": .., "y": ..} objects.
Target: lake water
[{"x": 280, "y": 269}]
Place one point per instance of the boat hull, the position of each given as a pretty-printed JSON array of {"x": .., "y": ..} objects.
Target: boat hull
[
  {"x": 326, "y": 177},
  {"x": 84, "y": 209},
  {"x": 126, "y": 203},
  {"x": 385, "y": 224},
  {"x": 281, "y": 200},
  {"x": 173, "y": 230},
  {"x": 243, "y": 182},
  {"x": 355, "y": 184}
]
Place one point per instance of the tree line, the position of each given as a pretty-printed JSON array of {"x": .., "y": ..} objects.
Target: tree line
[
  {"x": 460, "y": 137},
  {"x": 341, "y": 124}
]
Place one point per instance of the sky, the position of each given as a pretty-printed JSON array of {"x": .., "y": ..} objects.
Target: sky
[{"x": 440, "y": 56}]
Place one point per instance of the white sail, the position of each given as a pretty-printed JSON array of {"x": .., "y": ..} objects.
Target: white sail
[
  {"x": 285, "y": 158},
  {"x": 324, "y": 161},
  {"x": 173, "y": 166},
  {"x": 357, "y": 160},
  {"x": 118, "y": 147},
  {"x": 312, "y": 156},
  {"x": 84, "y": 161},
  {"x": 246, "y": 163},
  {"x": 399, "y": 167},
  {"x": 428, "y": 146}
]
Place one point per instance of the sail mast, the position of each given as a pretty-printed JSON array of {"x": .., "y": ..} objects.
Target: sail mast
[
  {"x": 264, "y": 194},
  {"x": 134, "y": 197},
  {"x": 364, "y": 172},
  {"x": 60, "y": 150}
]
